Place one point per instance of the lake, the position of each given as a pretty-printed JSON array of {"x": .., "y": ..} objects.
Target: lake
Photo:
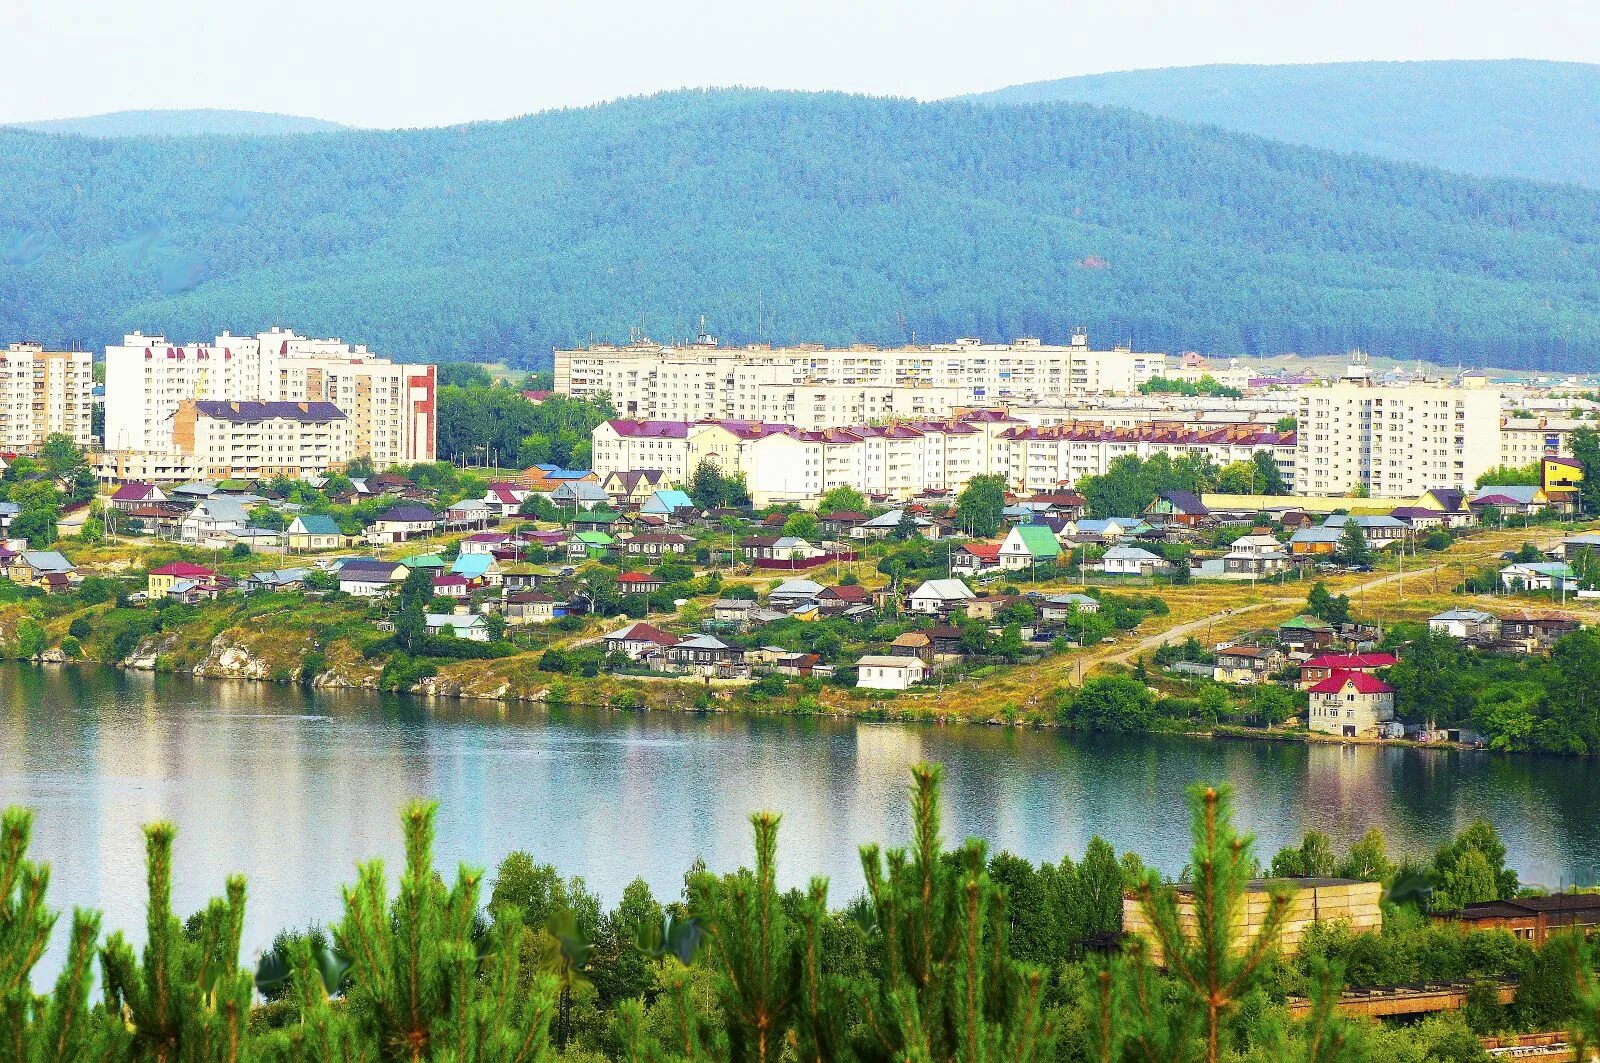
[{"x": 292, "y": 788}]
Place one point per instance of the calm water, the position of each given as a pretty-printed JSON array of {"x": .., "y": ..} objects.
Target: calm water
[{"x": 293, "y": 789}]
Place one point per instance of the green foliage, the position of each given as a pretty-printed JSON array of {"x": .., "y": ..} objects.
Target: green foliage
[
  {"x": 1327, "y": 607},
  {"x": 709, "y": 488},
  {"x": 1206, "y": 385},
  {"x": 1353, "y": 548},
  {"x": 1130, "y": 484},
  {"x": 979, "y": 506},
  {"x": 1505, "y": 476},
  {"x": 1585, "y": 444},
  {"x": 1115, "y": 703},
  {"x": 484, "y": 423},
  {"x": 842, "y": 499}
]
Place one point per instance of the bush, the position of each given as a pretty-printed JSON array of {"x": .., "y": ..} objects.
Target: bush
[
  {"x": 79, "y": 628},
  {"x": 71, "y": 648}
]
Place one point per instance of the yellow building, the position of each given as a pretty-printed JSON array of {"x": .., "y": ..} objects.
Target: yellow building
[
  {"x": 1560, "y": 479},
  {"x": 1312, "y": 900}
]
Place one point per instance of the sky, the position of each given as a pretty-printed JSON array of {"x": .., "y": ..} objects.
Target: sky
[{"x": 391, "y": 63}]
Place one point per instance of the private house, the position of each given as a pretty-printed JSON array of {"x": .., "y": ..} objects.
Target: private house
[
  {"x": 786, "y": 548},
  {"x": 732, "y": 612},
  {"x": 633, "y": 487},
  {"x": 1319, "y": 541},
  {"x": 213, "y": 518},
  {"x": 1561, "y": 480},
  {"x": 278, "y": 579},
  {"x": 1536, "y": 630},
  {"x": 1473, "y": 625},
  {"x": 604, "y": 520},
  {"x": 989, "y": 606},
  {"x": 913, "y": 644},
  {"x": 1131, "y": 561},
  {"x": 1531, "y": 919},
  {"x": 1256, "y": 554},
  {"x": 400, "y": 523},
  {"x": 467, "y": 513},
  {"x": 975, "y": 559},
  {"x": 637, "y": 639},
  {"x": 136, "y": 496},
  {"x": 1063, "y": 606},
  {"x": 841, "y": 599},
  {"x": 1522, "y": 500},
  {"x": 702, "y": 654},
  {"x": 669, "y": 503},
  {"x": 545, "y": 477},
  {"x": 469, "y": 626},
  {"x": 1305, "y": 634},
  {"x": 479, "y": 570},
  {"x": 503, "y": 499},
  {"x": 1379, "y": 530},
  {"x": 314, "y": 531},
  {"x": 531, "y": 607},
  {"x": 639, "y": 583},
  {"x": 580, "y": 494},
  {"x": 484, "y": 542},
  {"x": 1325, "y": 665},
  {"x": 1110, "y": 529},
  {"x": 1182, "y": 508},
  {"x": 46, "y": 569},
  {"x": 1026, "y": 545},
  {"x": 841, "y": 522},
  {"x": 1068, "y": 504},
  {"x": 1417, "y": 518},
  {"x": 656, "y": 545},
  {"x": 1312, "y": 900},
  {"x": 1575, "y": 546},
  {"x": 1450, "y": 503},
  {"x": 1538, "y": 576},
  {"x": 1246, "y": 664},
  {"x": 9, "y": 511},
  {"x": 432, "y": 562},
  {"x": 794, "y": 593},
  {"x": 881, "y": 672},
  {"x": 369, "y": 577},
  {"x": 160, "y": 580},
  {"x": 1350, "y": 705},
  {"x": 450, "y": 585},
  {"x": 590, "y": 544},
  {"x": 939, "y": 597},
  {"x": 887, "y": 523}
]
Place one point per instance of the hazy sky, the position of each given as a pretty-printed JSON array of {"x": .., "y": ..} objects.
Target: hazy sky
[{"x": 427, "y": 62}]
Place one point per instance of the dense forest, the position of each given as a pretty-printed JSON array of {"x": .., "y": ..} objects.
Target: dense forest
[
  {"x": 792, "y": 216},
  {"x": 1496, "y": 118}
]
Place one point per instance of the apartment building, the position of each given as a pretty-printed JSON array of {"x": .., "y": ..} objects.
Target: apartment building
[
  {"x": 261, "y": 440},
  {"x": 1395, "y": 441},
  {"x": 1527, "y": 440},
  {"x": 390, "y": 407},
  {"x": 783, "y": 463},
  {"x": 44, "y": 393},
  {"x": 702, "y": 380}
]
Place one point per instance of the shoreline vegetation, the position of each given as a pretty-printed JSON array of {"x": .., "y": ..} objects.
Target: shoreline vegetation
[{"x": 950, "y": 955}]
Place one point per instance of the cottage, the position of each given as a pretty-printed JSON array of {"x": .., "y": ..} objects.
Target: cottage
[
  {"x": 1314, "y": 542},
  {"x": 546, "y": 477},
  {"x": 939, "y": 597},
  {"x": 480, "y": 570},
  {"x": 1325, "y": 665},
  {"x": 160, "y": 580},
  {"x": 1450, "y": 503},
  {"x": 580, "y": 494},
  {"x": 1131, "y": 561},
  {"x": 637, "y": 640},
  {"x": 136, "y": 495},
  {"x": 791, "y": 594},
  {"x": 47, "y": 569},
  {"x": 888, "y": 523},
  {"x": 400, "y": 523},
  {"x": 975, "y": 559},
  {"x": 469, "y": 626},
  {"x": 1538, "y": 576},
  {"x": 467, "y": 513},
  {"x": 450, "y": 585},
  {"x": 1246, "y": 664},
  {"x": 786, "y": 548},
  {"x": 503, "y": 499},
  {"x": 704, "y": 654},
  {"x": 1064, "y": 606},
  {"x": 632, "y": 487},
  {"x": 1575, "y": 546},
  {"x": 484, "y": 542},
  {"x": 839, "y": 599},
  {"x": 1256, "y": 554},
  {"x": 213, "y": 518},
  {"x": 1536, "y": 630},
  {"x": 639, "y": 583},
  {"x": 1305, "y": 634},
  {"x": 1532, "y": 919},
  {"x": 369, "y": 577},
  {"x": 591, "y": 544},
  {"x": 1417, "y": 518},
  {"x": 841, "y": 522},
  {"x": 1110, "y": 529},
  {"x": 734, "y": 612},
  {"x": 989, "y": 606},
  {"x": 1351, "y": 705},
  {"x": 1068, "y": 504},
  {"x": 1379, "y": 531},
  {"x": 668, "y": 502},
  {"x": 531, "y": 607},
  {"x": 314, "y": 531},
  {"x": 1520, "y": 499},
  {"x": 656, "y": 545},
  {"x": 1026, "y": 545},
  {"x": 1182, "y": 508},
  {"x": 1470, "y": 624},
  {"x": 912, "y": 644},
  {"x": 889, "y": 673},
  {"x": 278, "y": 579}
]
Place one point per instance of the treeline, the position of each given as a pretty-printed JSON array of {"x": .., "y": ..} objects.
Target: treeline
[
  {"x": 498, "y": 240},
  {"x": 486, "y": 423},
  {"x": 1130, "y": 483},
  {"x": 950, "y": 955}
]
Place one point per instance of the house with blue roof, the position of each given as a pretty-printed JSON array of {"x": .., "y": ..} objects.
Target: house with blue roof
[
  {"x": 667, "y": 502},
  {"x": 481, "y": 569}
]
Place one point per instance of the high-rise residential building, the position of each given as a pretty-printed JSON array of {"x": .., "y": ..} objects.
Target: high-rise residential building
[
  {"x": 45, "y": 393},
  {"x": 809, "y": 386},
  {"x": 261, "y": 440},
  {"x": 1395, "y": 440},
  {"x": 390, "y": 407}
]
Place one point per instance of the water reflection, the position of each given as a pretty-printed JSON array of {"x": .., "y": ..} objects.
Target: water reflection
[{"x": 293, "y": 788}]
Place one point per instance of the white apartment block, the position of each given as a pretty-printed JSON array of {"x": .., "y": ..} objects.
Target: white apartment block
[
  {"x": 1396, "y": 441},
  {"x": 782, "y": 463},
  {"x": 812, "y": 386},
  {"x": 1525, "y": 440},
  {"x": 261, "y": 440},
  {"x": 390, "y": 406},
  {"x": 45, "y": 393}
]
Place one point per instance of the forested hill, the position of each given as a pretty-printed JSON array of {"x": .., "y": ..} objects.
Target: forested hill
[
  {"x": 1501, "y": 118},
  {"x": 823, "y": 217},
  {"x": 181, "y": 123}
]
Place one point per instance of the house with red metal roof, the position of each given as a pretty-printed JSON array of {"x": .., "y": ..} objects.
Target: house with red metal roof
[
  {"x": 1350, "y": 705},
  {"x": 1324, "y": 665}
]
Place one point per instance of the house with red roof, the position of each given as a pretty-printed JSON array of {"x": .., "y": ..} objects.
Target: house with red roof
[
  {"x": 637, "y": 640},
  {"x": 639, "y": 583},
  {"x": 161, "y": 580},
  {"x": 451, "y": 585},
  {"x": 1324, "y": 665},
  {"x": 505, "y": 499},
  {"x": 1350, "y": 705},
  {"x": 974, "y": 559},
  {"x": 136, "y": 495}
]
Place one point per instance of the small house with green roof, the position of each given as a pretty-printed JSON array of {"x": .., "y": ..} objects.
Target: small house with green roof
[
  {"x": 1026, "y": 545},
  {"x": 314, "y": 531},
  {"x": 596, "y": 520},
  {"x": 431, "y": 562},
  {"x": 593, "y": 544},
  {"x": 1305, "y": 633}
]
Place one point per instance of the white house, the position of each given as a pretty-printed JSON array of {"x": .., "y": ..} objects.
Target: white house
[
  {"x": 1465, "y": 624},
  {"x": 1131, "y": 561},
  {"x": 366, "y": 577},
  {"x": 938, "y": 597},
  {"x": 1538, "y": 576},
  {"x": 1028, "y": 544},
  {"x": 212, "y": 519},
  {"x": 463, "y": 626},
  {"x": 401, "y": 523},
  {"x": 1257, "y": 555},
  {"x": 1061, "y": 606},
  {"x": 889, "y": 673},
  {"x": 504, "y": 499}
]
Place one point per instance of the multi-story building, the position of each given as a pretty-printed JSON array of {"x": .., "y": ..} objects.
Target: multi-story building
[
  {"x": 45, "y": 393},
  {"x": 1529, "y": 440},
  {"x": 1040, "y": 458},
  {"x": 1395, "y": 441},
  {"x": 810, "y": 386},
  {"x": 260, "y": 440},
  {"x": 390, "y": 407}
]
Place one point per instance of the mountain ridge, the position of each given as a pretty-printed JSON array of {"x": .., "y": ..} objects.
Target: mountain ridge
[
  {"x": 180, "y": 122},
  {"x": 794, "y": 216}
]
